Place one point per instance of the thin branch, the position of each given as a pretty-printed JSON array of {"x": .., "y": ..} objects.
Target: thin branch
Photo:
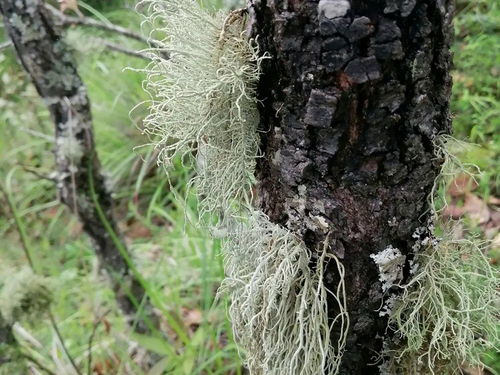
[
  {"x": 70, "y": 111},
  {"x": 112, "y": 46},
  {"x": 119, "y": 48},
  {"x": 91, "y": 339},
  {"x": 38, "y": 364},
  {"x": 62, "y": 19},
  {"x": 5, "y": 44},
  {"x": 38, "y": 174}
]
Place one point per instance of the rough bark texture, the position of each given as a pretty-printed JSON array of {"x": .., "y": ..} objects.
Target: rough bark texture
[
  {"x": 50, "y": 65},
  {"x": 352, "y": 100}
]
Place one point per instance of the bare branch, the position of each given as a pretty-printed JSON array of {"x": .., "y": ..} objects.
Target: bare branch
[
  {"x": 64, "y": 20},
  {"x": 5, "y": 44},
  {"x": 91, "y": 339},
  {"x": 118, "y": 48}
]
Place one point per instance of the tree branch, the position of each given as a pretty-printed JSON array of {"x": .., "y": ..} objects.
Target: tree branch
[
  {"x": 109, "y": 45},
  {"x": 118, "y": 48},
  {"x": 5, "y": 44},
  {"x": 64, "y": 20}
]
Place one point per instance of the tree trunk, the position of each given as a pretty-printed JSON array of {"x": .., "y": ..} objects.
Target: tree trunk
[
  {"x": 352, "y": 101},
  {"x": 80, "y": 183}
]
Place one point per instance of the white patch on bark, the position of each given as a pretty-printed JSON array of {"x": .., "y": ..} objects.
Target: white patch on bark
[
  {"x": 333, "y": 8},
  {"x": 390, "y": 264}
]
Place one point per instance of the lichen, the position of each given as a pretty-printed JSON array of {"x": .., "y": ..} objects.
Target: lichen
[
  {"x": 24, "y": 296},
  {"x": 447, "y": 315},
  {"x": 204, "y": 110},
  {"x": 203, "y": 105},
  {"x": 390, "y": 263},
  {"x": 279, "y": 303}
]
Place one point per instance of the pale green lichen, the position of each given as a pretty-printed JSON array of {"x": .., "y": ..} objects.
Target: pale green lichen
[
  {"x": 204, "y": 109},
  {"x": 448, "y": 313},
  {"x": 447, "y": 151},
  {"x": 204, "y": 100},
  {"x": 24, "y": 295},
  {"x": 279, "y": 304}
]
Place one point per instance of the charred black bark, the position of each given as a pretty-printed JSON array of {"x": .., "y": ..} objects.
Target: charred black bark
[
  {"x": 352, "y": 100},
  {"x": 80, "y": 184}
]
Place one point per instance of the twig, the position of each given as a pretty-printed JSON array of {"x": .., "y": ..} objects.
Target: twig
[
  {"x": 63, "y": 345},
  {"x": 91, "y": 338},
  {"x": 5, "y": 44},
  {"x": 62, "y": 19},
  {"x": 38, "y": 364},
  {"x": 118, "y": 48},
  {"x": 38, "y": 174}
]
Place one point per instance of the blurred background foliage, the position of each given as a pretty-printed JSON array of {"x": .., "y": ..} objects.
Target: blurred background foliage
[{"x": 179, "y": 261}]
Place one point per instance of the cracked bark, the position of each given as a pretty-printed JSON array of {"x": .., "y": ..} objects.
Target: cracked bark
[
  {"x": 50, "y": 65},
  {"x": 351, "y": 102}
]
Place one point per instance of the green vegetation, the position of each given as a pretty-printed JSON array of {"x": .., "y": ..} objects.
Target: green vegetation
[{"x": 179, "y": 261}]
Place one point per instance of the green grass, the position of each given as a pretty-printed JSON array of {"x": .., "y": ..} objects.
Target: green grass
[{"x": 180, "y": 263}]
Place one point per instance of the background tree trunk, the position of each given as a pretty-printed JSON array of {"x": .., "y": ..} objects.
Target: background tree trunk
[
  {"x": 352, "y": 101},
  {"x": 80, "y": 184}
]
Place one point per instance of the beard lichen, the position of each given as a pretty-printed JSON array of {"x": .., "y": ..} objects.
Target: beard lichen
[
  {"x": 447, "y": 315},
  {"x": 25, "y": 295},
  {"x": 204, "y": 110},
  {"x": 279, "y": 304}
]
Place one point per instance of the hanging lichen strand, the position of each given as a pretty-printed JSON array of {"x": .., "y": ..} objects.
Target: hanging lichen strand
[
  {"x": 447, "y": 314},
  {"x": 204, "y": 110}
]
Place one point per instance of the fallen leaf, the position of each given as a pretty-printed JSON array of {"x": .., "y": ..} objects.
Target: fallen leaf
[
  {"x": 495, "y": 244},
  {"x": 71, "y": 5},
  {"x": 476, "y": 209},
  {"x": 191, "y": 317},
  {"x": 461, "y": 185},
  {"x": 137, "y": 230},
  {"x": 473, "y": 206},
  {"x": 495, "y": 201}
]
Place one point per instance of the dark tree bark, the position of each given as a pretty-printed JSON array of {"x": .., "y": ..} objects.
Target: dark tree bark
[
  {"x": 352, "y": 100},
  {"x": 80, "y": 184}
]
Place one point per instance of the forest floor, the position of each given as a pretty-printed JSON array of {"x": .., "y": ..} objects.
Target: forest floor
[{"x": 179, "y": 261}]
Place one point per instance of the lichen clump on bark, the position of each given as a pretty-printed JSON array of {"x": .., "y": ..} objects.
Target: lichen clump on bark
[
  {"x": 204, "y": 109},
  {"x": 203, "y": 105},
  {"x": 447, "y": 315},
  {"x": 24, "y": 296}
]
